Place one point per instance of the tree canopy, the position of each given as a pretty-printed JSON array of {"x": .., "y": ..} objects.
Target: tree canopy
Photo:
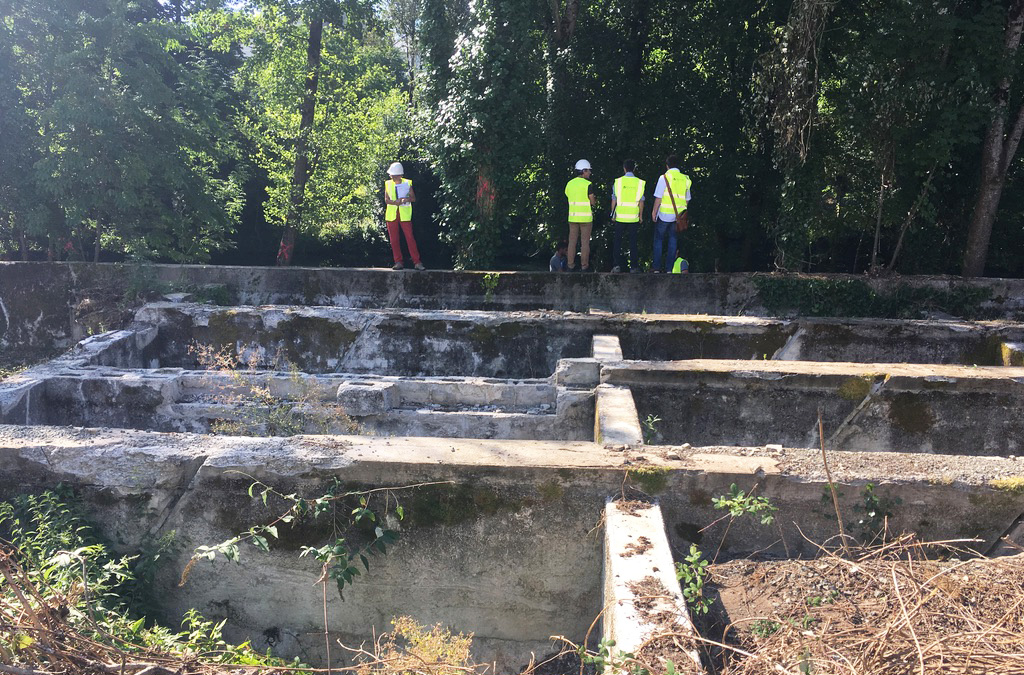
[{"x": 821, "y": 135}]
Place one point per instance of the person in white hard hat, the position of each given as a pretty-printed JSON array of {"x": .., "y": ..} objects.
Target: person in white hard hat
[
  {"x": 399, "y": 196},
  {"x": 580, "y": 193}
]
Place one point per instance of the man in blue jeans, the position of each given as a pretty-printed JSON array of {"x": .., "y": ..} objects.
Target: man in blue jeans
[{"x": 664, "y": 211}]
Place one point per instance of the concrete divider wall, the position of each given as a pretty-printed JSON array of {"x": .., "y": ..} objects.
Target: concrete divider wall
[
  {"x": 947, "y": 409},
  {"x": 642, "y": 597},
  {"x": 327, "y": 339},
  {"x": 510, "y": 551}
]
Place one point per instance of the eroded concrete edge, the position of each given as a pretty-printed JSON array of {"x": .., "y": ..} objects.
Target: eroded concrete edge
[{"x": 641, "y": 594}]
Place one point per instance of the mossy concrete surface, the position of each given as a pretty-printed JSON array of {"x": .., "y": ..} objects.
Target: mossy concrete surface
[
  {"x": 35, "y": 309},
  {"x": 40, "y": 298}
]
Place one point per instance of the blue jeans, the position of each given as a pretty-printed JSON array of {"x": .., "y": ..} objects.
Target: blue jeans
[{"x": 661, "y": 228}]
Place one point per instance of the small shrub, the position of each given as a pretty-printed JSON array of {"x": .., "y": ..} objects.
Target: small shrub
[
  {"x": 490, "y": 285},
  {"x": 650, "y": 428},
  {"x": 412, "y": 648},
  {"x": 876, "y": 511},
  {"x": 692, "y": 574},
  {"x": 763, "y": 628},
  {"x": 81, "y": 592}
]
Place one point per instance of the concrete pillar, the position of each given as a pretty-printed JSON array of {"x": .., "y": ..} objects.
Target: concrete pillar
[
  {"x": 616, "y": 421},
  {"x": 641, "y": 594},
  {"x": 578, "y": 372}
]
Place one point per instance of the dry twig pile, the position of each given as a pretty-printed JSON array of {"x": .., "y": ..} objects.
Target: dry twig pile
[{"x": 889, "y": 609}]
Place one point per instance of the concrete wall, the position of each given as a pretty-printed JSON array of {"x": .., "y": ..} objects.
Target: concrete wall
[
  {"x": 865, "y": 407},
  {"x": 38, "y": 301},
  {"x": 327, "y": 339},
  {"x": 529, "y": 344},
  {"x": 35, "y": 309},
  {"x": 511, "y": 550}
]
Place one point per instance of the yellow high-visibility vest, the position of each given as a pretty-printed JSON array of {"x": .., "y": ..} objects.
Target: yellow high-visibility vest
[
  {"x": 680, "y": 183},
  {"x": 628, "y": 191},
  {"x": 405, "y": 210},
  {"x": 579, "y": 200}
]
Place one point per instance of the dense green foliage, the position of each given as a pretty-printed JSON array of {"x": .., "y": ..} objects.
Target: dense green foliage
[
  {"x": 61, "y": 570},
  {"x": 359, "y": 119},
  {"x": 821, "y": 135},
  {"x": 119, "y": 135}
]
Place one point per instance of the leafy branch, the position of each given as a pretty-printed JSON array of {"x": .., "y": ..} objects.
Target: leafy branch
[
  {"x": 741, "y": 503},
  {"x": 340, "y": 555}
]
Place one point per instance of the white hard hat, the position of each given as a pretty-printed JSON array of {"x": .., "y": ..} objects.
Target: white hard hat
[
  {"x": 396, "y": 169},
  {"x": 582, "y": 164}
]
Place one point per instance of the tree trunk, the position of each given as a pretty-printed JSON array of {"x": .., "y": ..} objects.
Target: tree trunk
[
  {"x": 559, "y": 116},
  {"x": 878, "y": 222},
  {"x": 911, "y": 214},
  {"x": 300, "y": 174},
  {"x": 23, "y": 243},
  {"x": 996, "y": 154}
]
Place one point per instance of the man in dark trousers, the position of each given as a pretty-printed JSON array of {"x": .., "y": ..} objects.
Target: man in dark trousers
[{"x": 627, "y": 212}]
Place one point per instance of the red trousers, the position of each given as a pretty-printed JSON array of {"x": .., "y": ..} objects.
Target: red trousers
[{"x": 396, "y": 243}]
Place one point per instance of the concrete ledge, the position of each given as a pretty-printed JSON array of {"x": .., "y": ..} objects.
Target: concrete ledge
[
  {"x": 606, "y": 348},
  {"x": 641, "y": 594},
  {"x": 799, "y": 373},
  {"x": 616, "y": 422}
]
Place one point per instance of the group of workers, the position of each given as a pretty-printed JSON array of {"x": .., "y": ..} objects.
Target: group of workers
[{"x": 671, "y": 196}]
